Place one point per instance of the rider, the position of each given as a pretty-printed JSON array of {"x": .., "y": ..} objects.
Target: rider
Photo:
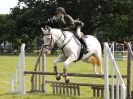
[{"x": 67, "y": 23}]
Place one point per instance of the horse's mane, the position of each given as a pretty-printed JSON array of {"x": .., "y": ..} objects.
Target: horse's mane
[{"x": 70, "y": 32}]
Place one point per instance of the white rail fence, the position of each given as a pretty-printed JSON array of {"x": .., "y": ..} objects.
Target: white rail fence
[
  {"x": 120, "y": 52},
  {"x": 18, "y": 80},
  {"x": 120, "y": 85}
]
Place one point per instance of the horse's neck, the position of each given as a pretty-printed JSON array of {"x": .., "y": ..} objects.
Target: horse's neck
[
  {"x": 55, "y": 32},
  {"x": 58, "y": 36},
  {"x": 68, "y": 41},
  {"x": 61, "y": 36}
]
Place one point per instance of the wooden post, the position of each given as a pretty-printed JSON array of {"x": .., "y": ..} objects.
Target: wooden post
[
  {"x": 102, "y": 92},
  {"x": 64, "y": 89},
  {"x": 129, "y": 71},
  {"x": 43, "y": 70},
  {"x": 39, "y": 77},
  {"x": 60, "y": 88},
  {"x": 35, "y": 69},
  {"x": 71, "y": 90},
  {"x": 37, "y": 62},
  {"x": 67, "y": 90},
  {"x": 74, "y": 90},
  {"x": 78, "y": 88},
  {"x": 53, "y": 85}
]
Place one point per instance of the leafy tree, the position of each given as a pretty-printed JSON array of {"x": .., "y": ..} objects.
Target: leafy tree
[{"x": 110, "y": 20}]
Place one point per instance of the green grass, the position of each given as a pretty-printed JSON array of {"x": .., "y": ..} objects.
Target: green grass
[{"x": 8, "y": 65}]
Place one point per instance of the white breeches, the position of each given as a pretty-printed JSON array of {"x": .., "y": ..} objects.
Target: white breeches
[{"x": 78, "y": 32}]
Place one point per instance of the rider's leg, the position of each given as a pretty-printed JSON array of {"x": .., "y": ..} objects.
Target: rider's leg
[
  {"x": 84, "y": 44},
  {"x": 79, "y": 35}
]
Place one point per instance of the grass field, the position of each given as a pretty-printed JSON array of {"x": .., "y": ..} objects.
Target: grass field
[{"x": 8, "y": 65}]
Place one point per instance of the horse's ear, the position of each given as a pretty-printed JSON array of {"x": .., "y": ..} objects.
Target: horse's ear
[
  {"x": 48, "y": 28},
  {"x": 44, "y": 31}
]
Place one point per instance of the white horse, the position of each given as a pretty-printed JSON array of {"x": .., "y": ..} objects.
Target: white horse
[{"x": 71, "y": 48}]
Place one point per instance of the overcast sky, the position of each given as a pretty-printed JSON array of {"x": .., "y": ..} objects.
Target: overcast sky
[{"x": 5, "y": 5}]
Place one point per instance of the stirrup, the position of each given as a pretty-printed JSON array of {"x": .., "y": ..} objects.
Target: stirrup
[{"x": 85, "y": 51}]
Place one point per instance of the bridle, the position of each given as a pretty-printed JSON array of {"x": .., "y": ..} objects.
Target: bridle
[{"x": 51, "y": 41}]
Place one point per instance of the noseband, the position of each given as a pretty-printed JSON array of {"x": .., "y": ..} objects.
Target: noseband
[{"x": 50, "y": 44}]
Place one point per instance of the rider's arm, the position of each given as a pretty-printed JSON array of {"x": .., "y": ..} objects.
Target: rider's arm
[{"x": 69, "y": 23}]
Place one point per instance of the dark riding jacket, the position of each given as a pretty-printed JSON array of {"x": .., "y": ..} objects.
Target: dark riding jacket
[{"x": 66, "y": 23}]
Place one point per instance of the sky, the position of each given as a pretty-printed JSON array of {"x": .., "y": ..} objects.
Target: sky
[{"x": 5, "y": 6}]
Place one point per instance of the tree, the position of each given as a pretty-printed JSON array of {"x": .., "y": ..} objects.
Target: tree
[{"x": 108, "y": 19}]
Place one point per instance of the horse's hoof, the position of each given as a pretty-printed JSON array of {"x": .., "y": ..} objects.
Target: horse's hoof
[
  {"x": 58, "y": 77},
  {"x": 67, "y": 79}
]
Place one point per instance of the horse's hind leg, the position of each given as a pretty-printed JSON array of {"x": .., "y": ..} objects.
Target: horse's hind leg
[
  {"x": 94, "y": 68},
  {"x": 99, "y": 64},
  {"x": 92, "y": 59},
  {"x": 94, "y": 63},
  {"x": 101, "y": 70}
]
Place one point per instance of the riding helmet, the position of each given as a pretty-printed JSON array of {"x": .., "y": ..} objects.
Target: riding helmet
[{"x": 60, "y": 9}]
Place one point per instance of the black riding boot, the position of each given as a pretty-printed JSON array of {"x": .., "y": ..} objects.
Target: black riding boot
[{"x": 85, "y": 46}]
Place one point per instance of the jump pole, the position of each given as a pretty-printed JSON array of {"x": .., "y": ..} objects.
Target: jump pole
[{"x": 71, "y": 74}]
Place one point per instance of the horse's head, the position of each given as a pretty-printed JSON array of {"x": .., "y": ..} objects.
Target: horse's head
[{"x": 48, "y": 39}]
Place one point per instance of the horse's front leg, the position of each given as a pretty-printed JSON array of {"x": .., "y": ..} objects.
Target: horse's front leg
[
  {"x": 68, "y": 61},
  {"x": 60, "y": 58}
]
